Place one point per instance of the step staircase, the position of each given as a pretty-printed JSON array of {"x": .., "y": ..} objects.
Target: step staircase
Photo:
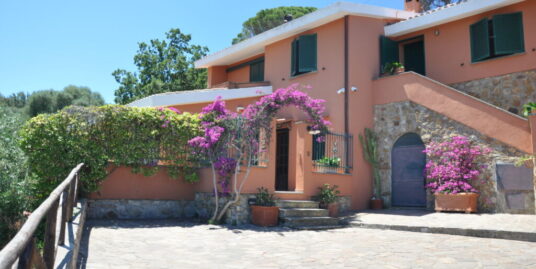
[{"x": 305, "y": 215}]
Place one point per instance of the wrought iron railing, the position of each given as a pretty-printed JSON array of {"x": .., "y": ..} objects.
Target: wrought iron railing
[{"x": 332, "y": 153}]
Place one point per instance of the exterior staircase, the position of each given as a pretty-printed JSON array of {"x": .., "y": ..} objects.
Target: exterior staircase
[{"x": 305, "y": 215}]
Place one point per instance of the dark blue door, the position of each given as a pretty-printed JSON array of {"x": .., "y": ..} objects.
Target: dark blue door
[{"x": 408, "y": 161}]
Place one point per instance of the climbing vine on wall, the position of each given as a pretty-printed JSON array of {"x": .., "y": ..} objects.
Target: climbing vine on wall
[{"x": 140, "y": 138}]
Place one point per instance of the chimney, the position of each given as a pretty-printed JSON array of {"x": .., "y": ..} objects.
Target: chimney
[{"x": 413, "y": 5}]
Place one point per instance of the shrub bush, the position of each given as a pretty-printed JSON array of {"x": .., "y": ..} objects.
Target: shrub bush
[
  {"x": 140, "y": 138},
  {"x": 14, "y": 191}
]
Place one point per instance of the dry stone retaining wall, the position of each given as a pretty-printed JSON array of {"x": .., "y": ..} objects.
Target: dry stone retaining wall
[{"x": 509, "y": 92}]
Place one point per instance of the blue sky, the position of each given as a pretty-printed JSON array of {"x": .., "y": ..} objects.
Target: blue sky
[{"x": 51, "y": 44}]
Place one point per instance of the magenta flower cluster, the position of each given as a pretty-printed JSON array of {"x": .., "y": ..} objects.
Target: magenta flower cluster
[
  {"x": 163, "y": 117},
  {"x": 454, "y": 165},
  {"x": 225, "y": 168}
]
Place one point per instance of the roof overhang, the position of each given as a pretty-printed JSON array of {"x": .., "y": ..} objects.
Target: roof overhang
[
  {"x": 255, "y": 45},
  {"x": 445, "y": 15},
  {"x": 199, "y": 96}
]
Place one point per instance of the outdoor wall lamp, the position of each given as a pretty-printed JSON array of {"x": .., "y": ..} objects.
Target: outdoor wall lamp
[{"x": 311, "y": 131}]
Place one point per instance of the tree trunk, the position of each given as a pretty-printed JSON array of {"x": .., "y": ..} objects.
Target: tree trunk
[{"x": 215, "y": 184}]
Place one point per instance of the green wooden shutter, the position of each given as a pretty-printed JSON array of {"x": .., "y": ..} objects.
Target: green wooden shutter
[
  {"x": 508, "y": 33},
  {"x": 294, "y": 58},
  {"x": 307, "y": 53},
  {"x": 256, "y": 72},
  {"x": 319, "y": 148},
  {"x": 388, "y": 51},
  {"x": 479, "y": 40}
]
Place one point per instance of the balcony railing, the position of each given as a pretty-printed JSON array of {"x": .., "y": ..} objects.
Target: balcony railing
[{"x": 332, "y": 153}]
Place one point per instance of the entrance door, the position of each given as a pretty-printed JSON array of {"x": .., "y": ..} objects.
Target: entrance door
[
  {"x": 414, "y": 57},
  {"x": 281, "y": 160},
  {"x": 408, "y": 162}
]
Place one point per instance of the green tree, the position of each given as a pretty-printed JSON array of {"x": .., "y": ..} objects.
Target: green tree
[
  {"x": 14, "y": 190},
  {"x": 163, "y": 66},
  {"x": 267, "y": 19},
  {"x": 50, "y": 101},
  {"x": 431, "y": 4}
]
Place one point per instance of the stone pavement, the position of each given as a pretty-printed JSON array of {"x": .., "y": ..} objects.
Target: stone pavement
[
  {"x": 505, "y": 226},
  {"x": 176, "y": 244}
]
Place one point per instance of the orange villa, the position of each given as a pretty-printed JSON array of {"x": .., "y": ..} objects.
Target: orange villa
[{"x": 469, "y": 69}]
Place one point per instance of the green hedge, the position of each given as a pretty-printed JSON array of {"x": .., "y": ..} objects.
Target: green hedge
[{"x": 98, "y": 136}]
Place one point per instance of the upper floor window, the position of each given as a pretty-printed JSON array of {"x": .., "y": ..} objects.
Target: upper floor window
[
  {"x": 500, "y": 36},
  {"x": 303, "y": 58},
  {"x": 256, "y": 71}
]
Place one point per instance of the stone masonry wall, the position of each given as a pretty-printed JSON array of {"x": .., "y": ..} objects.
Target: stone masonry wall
[
  {"x": 396, "y": 119},
  {"x": 509, "y": 92}
]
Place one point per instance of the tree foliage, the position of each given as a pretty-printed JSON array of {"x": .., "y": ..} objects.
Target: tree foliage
[
  {"x": 50, "y": 101},
  {"x": 431, "y": 4},
  {"x": 267, "y": 19},
  {"x": 163, "y": 66},
  {"x": 140, "y": 138},
  {"x": 14, "y": 191}
]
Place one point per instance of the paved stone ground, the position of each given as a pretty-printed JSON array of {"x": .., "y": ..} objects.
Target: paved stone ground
[
  {"x": 176, "y": 244},
  {"x": 490, "y": 224}
]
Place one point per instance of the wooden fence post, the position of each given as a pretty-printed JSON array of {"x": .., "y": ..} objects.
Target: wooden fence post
[
  {"x": 64, "y": 205},
  {"x": 49, "y": 251}
]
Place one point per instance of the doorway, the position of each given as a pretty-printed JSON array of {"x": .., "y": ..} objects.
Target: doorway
[
  {"x": 414, "y": 57},
  {"x": 408, "y": 161},
  {"x": 281, "y": 159}
]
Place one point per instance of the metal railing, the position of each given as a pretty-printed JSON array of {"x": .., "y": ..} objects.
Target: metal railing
[
  {"x": 23, "y": 246},
  {"x": 333, "y": 153}
]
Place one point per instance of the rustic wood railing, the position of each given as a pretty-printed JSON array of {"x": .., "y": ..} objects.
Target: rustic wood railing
[{"x": 23, "y": 246}]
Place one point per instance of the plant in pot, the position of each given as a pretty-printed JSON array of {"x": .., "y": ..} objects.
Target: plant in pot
[
  {"x": 327, "y": 196},
  {"x": 369, "y": 142},
  {"x": 452, "y": 168},
  {"x": 393, "y": 68},
  {"x": 264, "y": 212},
  {"x": 329, "y": 164}
]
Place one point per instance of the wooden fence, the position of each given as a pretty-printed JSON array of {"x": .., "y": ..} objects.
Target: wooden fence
[{"x": 23, "y": 246}]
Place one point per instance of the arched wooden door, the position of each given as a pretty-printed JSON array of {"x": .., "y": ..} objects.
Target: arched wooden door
[{"x": 408, "y": 161}]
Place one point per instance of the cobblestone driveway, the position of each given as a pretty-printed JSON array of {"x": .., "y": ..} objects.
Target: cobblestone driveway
[{"x": 174, "y": 244}]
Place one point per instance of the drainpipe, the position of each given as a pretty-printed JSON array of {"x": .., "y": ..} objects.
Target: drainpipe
[{"x": 346, "y": 89}]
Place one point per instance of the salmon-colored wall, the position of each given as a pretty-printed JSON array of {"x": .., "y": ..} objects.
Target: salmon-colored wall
[
  {"x": 239, "y": 75},
  {"x": 448, "y": 55},
  {"x": 216, "y": 75}
]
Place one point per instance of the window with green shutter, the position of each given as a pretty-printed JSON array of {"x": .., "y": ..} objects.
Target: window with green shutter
[
  {"x": 303, "y": 55},
  {"x": 508, "y": 33},
  {"x": 388, "y": 52},
  {"x": 256, "y": 71},
  {"x": 500, "y": 36},
  {"x": 319, "y": 148}
]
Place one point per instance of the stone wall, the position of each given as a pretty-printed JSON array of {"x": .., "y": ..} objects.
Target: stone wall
[
  {"x": 396, "y": 119},
  {"x": 509, "y": 92},
  {"x": 237, "y": 214},
  {"x": 140, "y": 209}
]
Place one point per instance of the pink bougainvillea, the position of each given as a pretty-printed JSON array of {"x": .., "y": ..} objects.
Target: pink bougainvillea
[{"x": 454, "y": 165}]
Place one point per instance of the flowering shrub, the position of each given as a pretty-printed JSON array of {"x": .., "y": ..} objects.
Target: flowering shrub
[
  {"x": 453, "y": 165},
  {"x": 230, "y": 136}
]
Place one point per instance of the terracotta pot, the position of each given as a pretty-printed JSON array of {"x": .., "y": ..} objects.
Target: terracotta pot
[
  {"x": 464, "y": 202},
  {"x": 264, "y": 215},
  {"x": 333, "y": 210},
  {"x": 399, "y": 70},
  {"x": 376, "y": 204}
]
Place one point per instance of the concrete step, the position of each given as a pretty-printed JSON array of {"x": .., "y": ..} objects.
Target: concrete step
[
  {"x": 302, "y": 212},
  {"x": 309, "y": 221},
  {"x": 316, "y": 228},
  {"x": 296, "y": 204}
]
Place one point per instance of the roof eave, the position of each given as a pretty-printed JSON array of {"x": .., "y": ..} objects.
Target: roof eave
[
  {"x": 255, "y": 45},
  {"x": 457, "y": 12}
]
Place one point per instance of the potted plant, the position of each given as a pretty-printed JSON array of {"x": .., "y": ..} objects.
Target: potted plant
[
  {"x": 369, "y": 142},
  {"x": 327, "y": 196},
  {"x": 264, "y": 212},
  {"x": 328, "y": 164},
  {"x": 393, "y": 68},
  {"x": 452, "y": 167}
]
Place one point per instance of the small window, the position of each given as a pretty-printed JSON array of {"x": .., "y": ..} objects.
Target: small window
[
  {"x": 500, "y": 36},
  {"x": 319, "y": 148},
  {"x": 256, "y": 71},
  {"x": 303, "y": 56}
]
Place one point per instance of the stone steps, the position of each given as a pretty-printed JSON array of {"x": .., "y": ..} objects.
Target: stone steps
[
  {"x": 302, "y": 212},
  {"x": 296, "y": 204},
  {"x": 305, "y": 215}
]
